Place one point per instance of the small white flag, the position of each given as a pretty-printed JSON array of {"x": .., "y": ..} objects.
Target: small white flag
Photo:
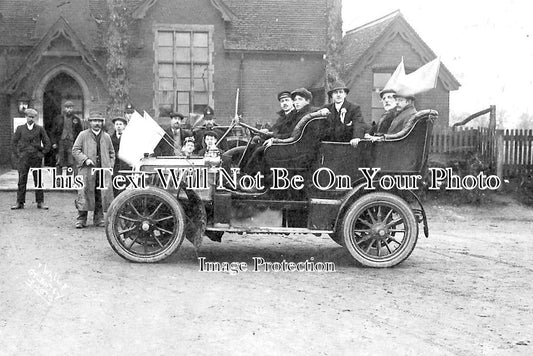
[
  {"x": 141, "y": 135},
  {"x": 420, "y": 81}
]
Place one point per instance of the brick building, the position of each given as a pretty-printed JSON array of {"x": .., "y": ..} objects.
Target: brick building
[
  {"x": 372, "y": 52},
  {"x": 184, "y": 55}
]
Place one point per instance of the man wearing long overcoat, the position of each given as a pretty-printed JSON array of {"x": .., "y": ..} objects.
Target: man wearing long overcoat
[{"x": 93, "y": 149}]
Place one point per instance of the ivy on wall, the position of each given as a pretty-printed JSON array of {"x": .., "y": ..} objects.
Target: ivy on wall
[
  {"x": 117, "y": 57},
  {"x": 334, "y": 63}
]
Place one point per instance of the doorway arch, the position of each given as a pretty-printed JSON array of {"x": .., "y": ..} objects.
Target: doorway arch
[
  {"x": 58, "y": 85},
  {"x": 38, "y": 93}
]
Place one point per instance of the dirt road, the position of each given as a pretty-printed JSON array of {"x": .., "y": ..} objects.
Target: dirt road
[{"x": 467, "y": 290}]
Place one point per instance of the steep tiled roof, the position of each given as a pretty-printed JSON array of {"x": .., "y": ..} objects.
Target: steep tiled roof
[
  {"x": 364, "y": 40},
  {"x": 359, "y": 40},
  {"x": 17, "y": 25},
  {"x": 277, "y": 25},
  {"x": 19, "y": 19},
  {"x": 253, "y": 25}
]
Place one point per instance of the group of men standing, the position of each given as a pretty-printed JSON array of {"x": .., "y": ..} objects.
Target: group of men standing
[{"x": 77, "y": 149}]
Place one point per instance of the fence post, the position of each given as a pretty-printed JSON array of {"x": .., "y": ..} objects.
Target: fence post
[
  {"x": 492, "y": 149},
  {"x": 500, "y": 159}
]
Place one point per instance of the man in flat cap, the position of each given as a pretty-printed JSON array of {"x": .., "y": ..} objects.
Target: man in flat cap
[
  {"x": 30, "y": 143},
  {"x": 65, "y": 129},
  {"x": 301, "y": 99},
  {"x": 388, "y": 99},
  {"x": 93, "y": 149},
  {"x": 281, "y": 129},
  {"x": 346, "y": 120},
  {"x": 120, "y": 124},
  {"x": 174, "y": 138},
  {"x": 405, "y": 107}
]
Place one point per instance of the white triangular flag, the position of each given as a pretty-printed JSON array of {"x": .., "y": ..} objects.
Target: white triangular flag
[
  {"x": 396, "y": 77},
  {"x": 420, "y": 81},
  {"x": 141, "y": 135}
]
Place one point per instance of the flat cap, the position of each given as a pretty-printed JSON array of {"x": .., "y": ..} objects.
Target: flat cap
[
  {"x": 120, "y": 118},
  {"x": 304, "y": 93},
  {"x": 176, "y": 114},
  {"x": 96, "y": 115},
  {"x": 30, "y": 111},
  {"x": 386, "y": 91},
  {"x": 68, "y": 104},
  {"x": 284, "y": 94}
]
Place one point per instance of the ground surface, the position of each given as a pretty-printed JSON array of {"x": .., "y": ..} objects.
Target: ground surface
[{"x": 467, "y": 290}]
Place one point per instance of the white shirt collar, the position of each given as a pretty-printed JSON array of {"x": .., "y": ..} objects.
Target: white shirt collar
[
  {"x": 338, "y": 106},
  {"x": 30, "y": 126},
  {"x": 95, "y": 132}
]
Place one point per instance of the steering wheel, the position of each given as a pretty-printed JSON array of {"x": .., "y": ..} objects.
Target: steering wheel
[{"x": 249, "y": 127}]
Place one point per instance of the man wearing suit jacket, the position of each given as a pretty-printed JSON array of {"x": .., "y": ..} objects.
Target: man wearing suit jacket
[
  {"x": 174, "y": 138},
  {"x": 405, "y": 112},
  {"x": 30, "y": 143},
  {"x": 346, "y": 120},
  {"x": 388, "y": 98},
  {"x": 65, "y": 129}
]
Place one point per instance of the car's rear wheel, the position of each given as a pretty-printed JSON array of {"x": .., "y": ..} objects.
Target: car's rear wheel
[
  {"x": 380, "y": 230},
  {"x": 145, "y": 225}
]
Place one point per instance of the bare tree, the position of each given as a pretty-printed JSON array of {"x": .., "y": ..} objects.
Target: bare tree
[{"x": 525, "y": 121}]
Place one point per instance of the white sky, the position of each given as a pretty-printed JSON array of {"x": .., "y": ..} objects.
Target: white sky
[{"x": 487, "y": 45}]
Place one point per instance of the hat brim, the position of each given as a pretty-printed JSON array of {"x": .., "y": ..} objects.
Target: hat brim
[
  {"x": 386, "y": 91},
  {"x": 346, "y": 90},
  {"x": 119, "y": 119}
]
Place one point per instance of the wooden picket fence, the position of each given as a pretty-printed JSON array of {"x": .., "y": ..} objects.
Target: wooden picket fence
[
  {"x": 517, "y": 152},
  {"x": 507, "y": 152}
]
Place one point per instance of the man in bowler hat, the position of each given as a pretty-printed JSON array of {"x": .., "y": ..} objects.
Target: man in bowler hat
[{"x": 346, "y": 120}]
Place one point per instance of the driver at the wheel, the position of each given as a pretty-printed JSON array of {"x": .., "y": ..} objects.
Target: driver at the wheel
[
  {"x": 281, "y": 129},
  {"x": 301, "y": 99}
]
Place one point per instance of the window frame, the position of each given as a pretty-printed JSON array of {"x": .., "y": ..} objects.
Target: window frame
[
  {"x": 376, "y": 90},
  {"x": 209, "y": 29}
]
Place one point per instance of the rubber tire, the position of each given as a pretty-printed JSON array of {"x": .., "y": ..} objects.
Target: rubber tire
[
  {"x": 402, "y": 207},
  {"x": 122, "y": 199}
]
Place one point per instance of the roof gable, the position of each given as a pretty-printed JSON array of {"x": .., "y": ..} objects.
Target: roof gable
[
  {"x": 364, "y": 43},
  {"x": 59, "y": 40}
]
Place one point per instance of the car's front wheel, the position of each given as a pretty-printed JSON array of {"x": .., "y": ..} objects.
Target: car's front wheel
[{"x": 145, "y": 225}]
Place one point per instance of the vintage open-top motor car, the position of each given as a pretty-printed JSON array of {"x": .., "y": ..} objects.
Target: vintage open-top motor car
[{"x": 379, "y": 227}]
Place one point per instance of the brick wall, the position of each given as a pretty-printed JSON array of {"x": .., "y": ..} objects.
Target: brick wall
[
  {"x": 389, "y": 57},
  {"x": 263, "y": 74}
]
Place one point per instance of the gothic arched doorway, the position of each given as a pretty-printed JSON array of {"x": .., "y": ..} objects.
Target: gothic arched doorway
[{"x": 58, "y": 90}]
